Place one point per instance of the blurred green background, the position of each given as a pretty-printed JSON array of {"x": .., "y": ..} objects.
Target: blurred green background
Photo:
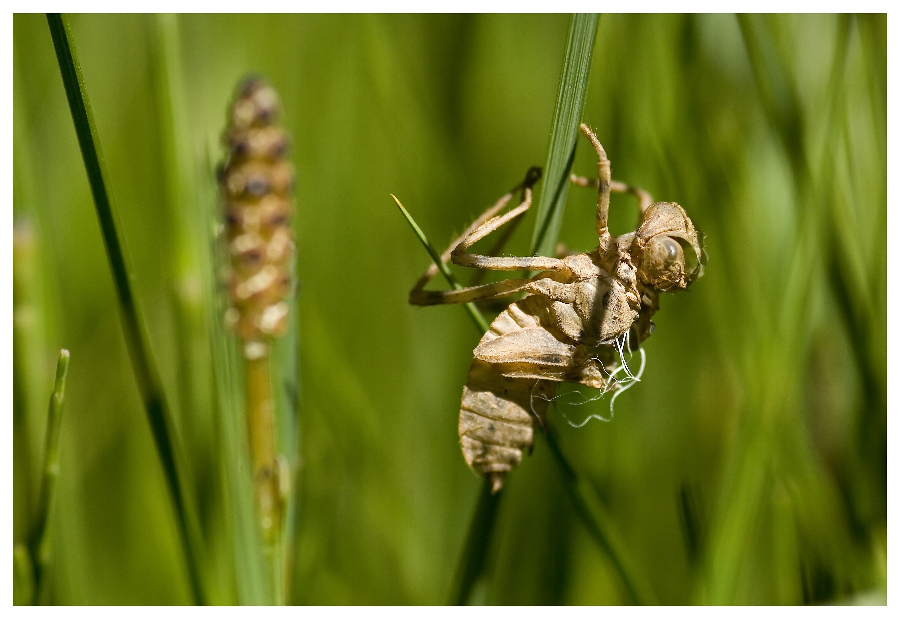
[{"x": 749, "y": 465}]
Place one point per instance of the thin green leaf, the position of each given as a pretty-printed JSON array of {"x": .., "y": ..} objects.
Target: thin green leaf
[
  {"x": 144, "y": 367},
  {"x": 599, "y": 524},
  {"x": 478, "y": 542},
  {"x": 480, "y": 323},
  {"x": 563, "y": 139},
  {"x": 564, "y": 135},
  {"x": 40, "y": 541}
]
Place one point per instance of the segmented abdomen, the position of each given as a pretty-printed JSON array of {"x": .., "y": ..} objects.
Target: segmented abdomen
[{"x": 497, "y": 414}]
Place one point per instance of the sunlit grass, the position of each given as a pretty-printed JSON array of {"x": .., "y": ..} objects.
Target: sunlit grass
[{"x": 764, "y": 397}]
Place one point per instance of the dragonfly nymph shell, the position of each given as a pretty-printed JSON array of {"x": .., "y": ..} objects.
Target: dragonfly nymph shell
[{"x": 581, "y": 313}]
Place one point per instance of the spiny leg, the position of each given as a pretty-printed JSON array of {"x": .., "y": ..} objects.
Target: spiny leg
[
  {"x": 468, "y": 295},
  {"x": 479, "y": 275},
  {"x": 531, "y": 177},
  {"x": 539, "y": 284},
  {"x": 497, "y": 304},
  {"x": 604, "y": 179},
  {"x": 502, "y": 263},
  {"x": 482, "y": 227}
]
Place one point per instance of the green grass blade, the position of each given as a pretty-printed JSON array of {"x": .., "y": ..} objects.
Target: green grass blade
[
  {"x": 590, "y": 509},
  {"x": 40, "y": 548},
  {"x": 563, "y": 136},
  {"x": 286, "y": 368},
  {"x": 478, "y": 542},
  {"x": 480, "y": 323},
  {"x": 566, "y": 122},
  {"x": 144, "y": 368}
]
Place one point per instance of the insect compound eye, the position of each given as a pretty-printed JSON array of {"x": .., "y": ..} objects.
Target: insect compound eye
[
  {"x": 662, "y": 263},
  {"x": 664, "y": 226},
  {"x": 669, "y": 249}
]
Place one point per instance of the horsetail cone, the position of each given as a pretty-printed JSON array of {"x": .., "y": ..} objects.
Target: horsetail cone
[{"x": 256, "y": 184}]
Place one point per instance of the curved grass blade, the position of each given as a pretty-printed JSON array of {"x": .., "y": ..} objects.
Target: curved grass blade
[
  {"x": 143, "y": 365},
  {"x": 573, "y": 85}
]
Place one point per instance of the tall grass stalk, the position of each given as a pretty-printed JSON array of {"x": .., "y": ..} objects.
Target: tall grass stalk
[
  {"x": 192, "y": 292},
  {"x": 563, "y": 140},
  {"x": 286, "y": 385},
  {"x": 573, "y": 84},
  {"x": 564, "y": 131},
  {"x": 600, "y": 526},
  {"x": 144, "y": 367}
]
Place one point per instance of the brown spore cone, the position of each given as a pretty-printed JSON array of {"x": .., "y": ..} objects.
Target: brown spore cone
[{"x": 256, "y": 185}]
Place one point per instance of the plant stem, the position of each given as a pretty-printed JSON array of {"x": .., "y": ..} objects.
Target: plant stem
[
  {"x": 564, "y": 133},
  {"x": 599, "y": 525},
  {"x": 40, "y": 541},
  {"x": 143, "y": 365},
  {"x": 478, "y": 541},
  {"x": 23, "y": 576},
  {"x": 563, "y": 139},
  {"x": 288, "y": 431},
  {"x": 261, "y": 433}
]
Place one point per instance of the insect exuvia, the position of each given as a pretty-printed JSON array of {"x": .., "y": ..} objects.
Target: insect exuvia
[{"x": 577, "y": 314}]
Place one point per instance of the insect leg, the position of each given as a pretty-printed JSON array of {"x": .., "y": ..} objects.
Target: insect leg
[
  {"x": 502, "y": 263},
  {"x": 531, "y": 177},
  {"x": 604, "y": 179},
  {"x": 506, "y": 287},
  {"x": 643, "y": 196},
  {"x": 432, "y": 270}
]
